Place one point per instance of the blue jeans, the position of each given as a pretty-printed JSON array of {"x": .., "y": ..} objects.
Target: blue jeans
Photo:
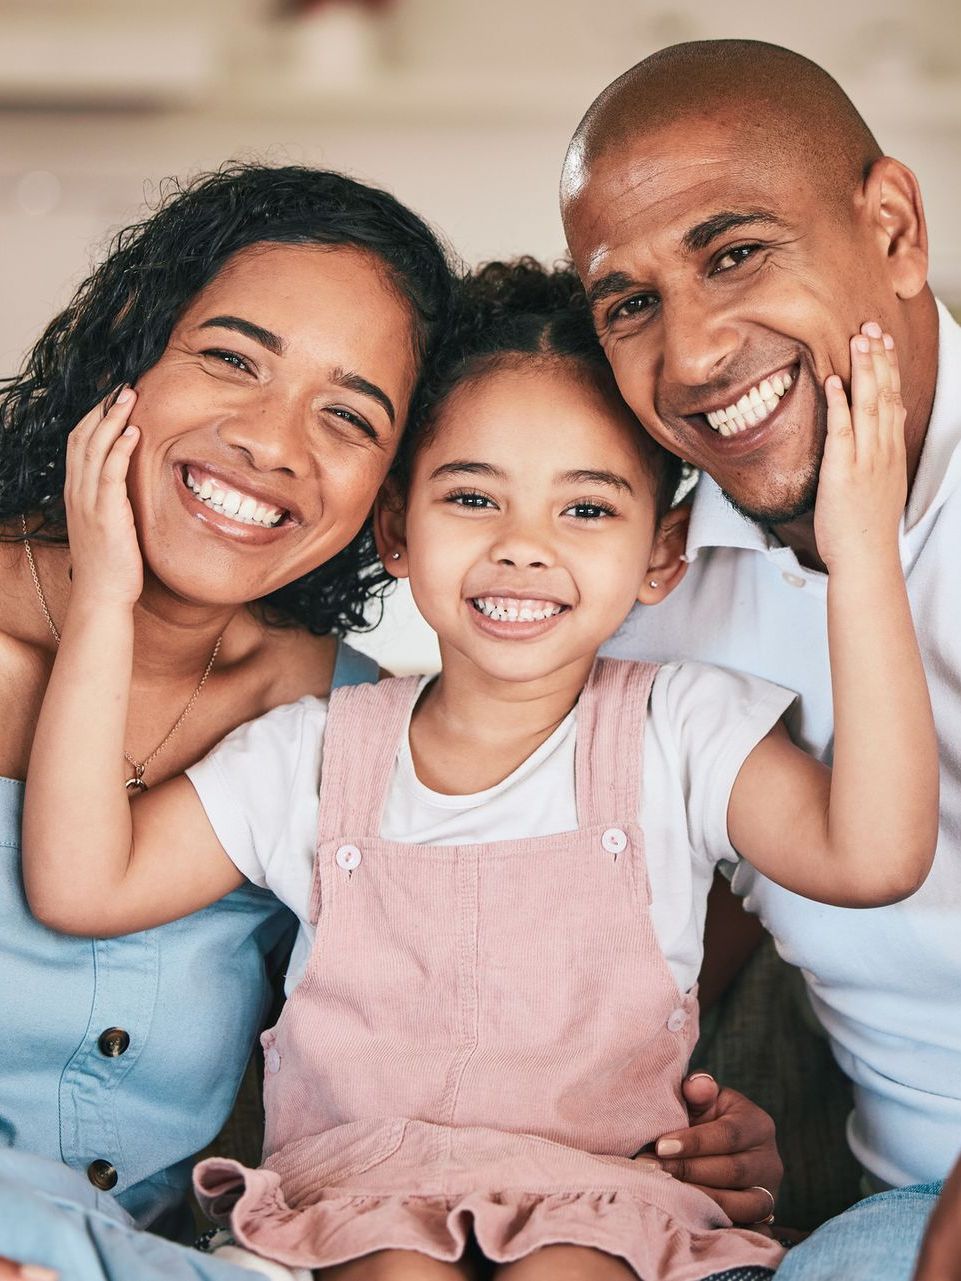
[
  {"x": 876, "y": 1240},
  {"x": 50, "y": 1215}
]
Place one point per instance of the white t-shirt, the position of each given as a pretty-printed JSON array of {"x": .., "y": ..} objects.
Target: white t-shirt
[
  {"x": 259, "y": 788},
  {"x": 885, "y": 982}
]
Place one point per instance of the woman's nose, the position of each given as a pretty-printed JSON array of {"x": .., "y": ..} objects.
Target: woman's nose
[{"x": 273, "y": 435}]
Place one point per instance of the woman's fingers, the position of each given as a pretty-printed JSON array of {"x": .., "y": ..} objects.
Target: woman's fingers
[
  {"x": 11, "y": 1271},
  {"x": 750, "y": 1208}
]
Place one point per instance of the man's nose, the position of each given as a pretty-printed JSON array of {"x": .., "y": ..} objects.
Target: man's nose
[
  {"x": 699, "y": 339},
  {"x": 272, "y": 433}
]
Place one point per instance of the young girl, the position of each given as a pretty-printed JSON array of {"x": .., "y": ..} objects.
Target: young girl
[{"x": 501, "y": 873}]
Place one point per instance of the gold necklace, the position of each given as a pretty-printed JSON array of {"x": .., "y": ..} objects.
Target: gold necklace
[{"x": 136, "y": 783}]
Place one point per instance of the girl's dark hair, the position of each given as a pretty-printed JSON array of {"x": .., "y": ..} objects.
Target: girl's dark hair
[
  {"x": 121, "y": 317},
  {"x": 506, "y": 312}
]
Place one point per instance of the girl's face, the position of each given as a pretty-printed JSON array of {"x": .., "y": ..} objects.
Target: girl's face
[
  {"x": 269, "y": 421},
  {"x": 530, "y": 525}
]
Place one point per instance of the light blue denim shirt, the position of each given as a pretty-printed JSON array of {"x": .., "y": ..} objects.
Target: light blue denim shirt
[{"x": 125, "y": 1054}]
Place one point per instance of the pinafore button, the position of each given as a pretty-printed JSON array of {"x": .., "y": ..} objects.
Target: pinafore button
[
  {"x": 348, "y": 857},
  {"x": 102, "y": 1174},
  {"x": 113, "y": 1042},
  {"x": 614, "y": 840},
  {"x": 272, "y": 1059},
  {"x": 677, "y": 1020}
]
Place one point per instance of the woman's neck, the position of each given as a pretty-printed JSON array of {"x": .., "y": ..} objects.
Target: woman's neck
[{"x": 471, "y": 730}]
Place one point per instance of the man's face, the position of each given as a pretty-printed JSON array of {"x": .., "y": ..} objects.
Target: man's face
[{"x": 725, "y": 288}]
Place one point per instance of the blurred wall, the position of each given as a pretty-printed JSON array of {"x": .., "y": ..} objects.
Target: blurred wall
[{"x": 463, "y": 110}]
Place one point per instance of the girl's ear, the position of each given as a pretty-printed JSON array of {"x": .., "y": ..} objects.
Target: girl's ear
[
  {"x": 668, "y": 564},
  {"x": 390, "y": 518}
]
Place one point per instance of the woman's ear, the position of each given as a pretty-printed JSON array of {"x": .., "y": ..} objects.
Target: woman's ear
[
  {"x": 667, "y": 564},
  {"x": 390, "y": 535}
]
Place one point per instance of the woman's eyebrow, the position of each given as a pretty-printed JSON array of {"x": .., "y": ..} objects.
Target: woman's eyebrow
[
  {"x": 350, "y": 381},
  {"x": 247, "y": 327}
]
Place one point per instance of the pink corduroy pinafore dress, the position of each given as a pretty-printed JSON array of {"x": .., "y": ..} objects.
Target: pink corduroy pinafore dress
[{"x": 485, "y": 1035}]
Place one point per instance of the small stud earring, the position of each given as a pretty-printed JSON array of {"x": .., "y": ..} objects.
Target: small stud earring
[
  {"x": 395, "y": 555},
  {"x": 652, "y": 582}
]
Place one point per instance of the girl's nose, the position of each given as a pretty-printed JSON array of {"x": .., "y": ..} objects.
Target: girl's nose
[{"x": 522, "y": 548}]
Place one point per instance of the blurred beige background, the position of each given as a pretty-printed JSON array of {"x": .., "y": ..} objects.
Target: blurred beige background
[{"x": 462, "y": 109}]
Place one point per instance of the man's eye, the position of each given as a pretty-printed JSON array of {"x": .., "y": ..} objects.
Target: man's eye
[
  {"x": 635, "y": 306},
  {"x": 470, "y": 498},
  {"x": 734, "y": 257}
]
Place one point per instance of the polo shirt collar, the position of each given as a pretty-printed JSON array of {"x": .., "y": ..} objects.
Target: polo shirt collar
[{"x": 715, "y": 523}]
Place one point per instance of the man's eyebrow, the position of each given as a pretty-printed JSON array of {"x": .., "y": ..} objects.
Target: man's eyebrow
[
  {"x": 701, "y": 235},
  {"x": 590, "y": 477},
  {"x": 464, "y": 467},
  {"x": 615, "y": 282},
  {"x": 249, "y": 330},
  {"x": 354, "y": 382}
]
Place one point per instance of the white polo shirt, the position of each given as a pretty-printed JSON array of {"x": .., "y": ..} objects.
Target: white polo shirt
[{"x": 885, "y": 982}]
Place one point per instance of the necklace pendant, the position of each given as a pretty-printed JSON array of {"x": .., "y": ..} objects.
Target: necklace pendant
[{"x": 135, "y": 784}]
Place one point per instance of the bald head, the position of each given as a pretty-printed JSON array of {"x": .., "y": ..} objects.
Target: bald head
[{"x": 766, "y": 95}]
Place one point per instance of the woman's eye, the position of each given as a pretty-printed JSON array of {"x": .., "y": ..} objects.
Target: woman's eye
[
  {"x": 231, "y": 358},
  {"x": 355, "y": 420},
  {"x": 734, "y": 257},
  {"x": 589, "y": 510},
  {"x": 471, "y": 499}
]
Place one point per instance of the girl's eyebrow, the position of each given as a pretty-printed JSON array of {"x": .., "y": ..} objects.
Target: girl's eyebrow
[
  {"x": 464, "y": 467},
  {"x": 590, "y": 477}
]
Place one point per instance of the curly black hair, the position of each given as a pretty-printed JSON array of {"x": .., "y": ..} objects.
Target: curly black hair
[
  {"x": 520, "y": 310},
  {"x": 121, "y": 317}
]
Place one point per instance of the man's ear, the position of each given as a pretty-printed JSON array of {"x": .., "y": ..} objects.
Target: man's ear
[
  {"x": 390, "y": 534},
  {"x": 668, "y": 564},
  {"x": 894, "y": 207}
]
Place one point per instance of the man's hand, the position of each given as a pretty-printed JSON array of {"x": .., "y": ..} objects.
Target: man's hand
[
  {"x": 729, "y": 1151},
  {"x": 941, "y": 1249}
]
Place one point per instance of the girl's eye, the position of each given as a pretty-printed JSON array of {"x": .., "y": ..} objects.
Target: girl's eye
[
  {"x": 734, "y": 257},
  {"x": 589, "y": 510},
  {"x": 471, "y": 499},
  {"x": 231, "y": 358},
  {"x": 355, "y": 420}
]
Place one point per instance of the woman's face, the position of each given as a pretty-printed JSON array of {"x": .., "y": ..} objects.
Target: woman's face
[{"x": 270, "y": 420}]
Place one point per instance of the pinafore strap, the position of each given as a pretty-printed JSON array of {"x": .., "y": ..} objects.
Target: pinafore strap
[
  {"x": 611, "y": 716},
  {"x": 361, "y": 738}
]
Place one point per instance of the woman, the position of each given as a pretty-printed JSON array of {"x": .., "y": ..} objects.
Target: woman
[{"x": 271, "y": 323}]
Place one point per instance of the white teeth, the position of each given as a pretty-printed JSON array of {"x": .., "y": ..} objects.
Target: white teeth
[
  {"x": 243, "y": 508},
  {"x": 752, "y": 408},
  {"x": 497, "y": 608}
]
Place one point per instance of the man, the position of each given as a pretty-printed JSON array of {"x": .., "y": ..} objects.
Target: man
[{"x": 735, "y": 223}]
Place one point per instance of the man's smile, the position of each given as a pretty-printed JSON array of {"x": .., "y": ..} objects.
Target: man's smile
[{"x": 753, "y": 405}]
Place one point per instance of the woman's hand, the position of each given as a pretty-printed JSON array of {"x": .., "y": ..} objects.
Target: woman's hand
[
  {"x": 10, "y": 1271},
  {"x": 940, "y": 1258},
  {"x": 105, "y": 558},
  {"x": 729, "y": 1151},
  {"x": 862, "y": 486}
]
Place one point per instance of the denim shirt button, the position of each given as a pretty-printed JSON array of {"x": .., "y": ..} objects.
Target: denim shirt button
[{"x": 102, "y": 1174}]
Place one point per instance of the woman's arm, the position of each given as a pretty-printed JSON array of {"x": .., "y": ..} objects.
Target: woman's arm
[
  {"x": 93, "y": 863},
  {"x": 864, "y": 834},
  {"x": 940, "y": 1258}
]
